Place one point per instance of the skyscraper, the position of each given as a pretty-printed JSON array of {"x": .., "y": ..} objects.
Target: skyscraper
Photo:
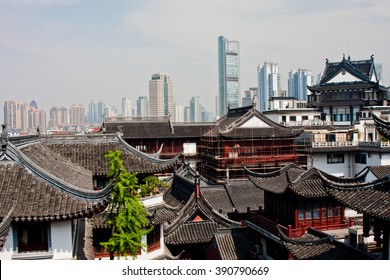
[
  {"x": 58, "y": 117},
  {"x": 268, "y": 79},
  {"x": 228, "y": 74},
  {"x": 195, "y": 109},
  {"x": 77, "y": 115},
  {"x": 126, "y": 107},
  {"x": 142, "y": 106},
  {"x": 161, "y": 95},
  {"x": 297, "y": 83},
  {"x": 250, "y": 97}
]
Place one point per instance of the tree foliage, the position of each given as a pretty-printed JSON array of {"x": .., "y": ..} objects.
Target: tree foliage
[{"x": 125, "y": 214}]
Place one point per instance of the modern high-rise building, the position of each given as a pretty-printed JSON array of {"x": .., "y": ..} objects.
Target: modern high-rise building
[
  {"x": 250, "y": 97},
  {"x": 23, "y": 118},
  {"x": 228, "y": 74},
  {"x": 58, "y": 117},
  {"x": 268, "y": 79},
  {"x": 298, "y": 81},
  {"x": 101, "y": 109},
  {"x": 179, "y": 113},
  {"x": 142, "y": 106},
  {"x": 37, "y": 120},
  {"x": 92, "y": 113},
  {"x": 77, "y": 115},
  {"x": 126, "y": 107},
  {"x": 195, "y": 109},
  {"x": 161, "y": 95}
]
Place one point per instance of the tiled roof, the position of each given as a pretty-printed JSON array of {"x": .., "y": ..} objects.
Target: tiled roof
[
  {"x": 158, "y": 129},
  {"x": 59, "y": 166},
  {"x": 32, "y": 198},
  {"x": 244, "y": 194},
  {"x": 359, "y": 68},
  {"x": 380, "y": 171},
  {"x": 159, "y": 214},
  {"x": 89, "y": 153},
  {"x": 382, "y": 126},
  {"x": 372, "y": 198},
  {"x": 315, "y": 245},
  {"x": 219, "y": 198},
  {"x": 233, "y": 243},
  {"x": 192, "y": 233},
  {"x": 229, "y": 126},
  {"x": 277, "y": 181}
]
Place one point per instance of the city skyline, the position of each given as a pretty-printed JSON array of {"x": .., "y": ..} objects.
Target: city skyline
[{"x": 62, "y": 52}]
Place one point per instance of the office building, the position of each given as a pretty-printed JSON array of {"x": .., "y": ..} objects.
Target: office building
[
  {"x": 161, "y": 95},
  {"x": 142, "y": 106},
  {"x": 228, "y": 74},
  {"x": 268, "y": 79},
  {"x": 298, "y": 80},
  {"x": 77, "y": 115},
  {"x": 195, "y": 109},
  {"x": 250, "y": 97},
  {"x": 126, "y": 107}
]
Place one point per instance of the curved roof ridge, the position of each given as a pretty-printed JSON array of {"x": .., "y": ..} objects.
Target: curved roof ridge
[
  {"x": 6, "y": 222},
  {"x": 355, "y": 185},
  {"x": 301, "y": 240},
  {"x": 272, "y": 173},
  {"x": 348, "y": 65},
  {"x": 306, "y": 174},
  {"x": 145, "y": 155},
  {"x": 57, "y": 182}
]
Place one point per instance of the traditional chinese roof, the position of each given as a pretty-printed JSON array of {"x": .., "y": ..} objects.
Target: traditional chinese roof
[
  {"x": 276, "y": 181},
  {"x": 372, "y": 198},
  {"x": 244, "y": 194},
  {"x": 152, "y": 128},
  {"x": 233, "y": 243},
  {"x": 382, "y": 126},
  {"x": 86, "y": 153},
  {"x": 198, "y": 220},
  {"x": 379, "y": 171},
  {"x": 316, "y": 245},
  {"x": 361, "y": 74},
  {"x": 247, "y": 122},
  {"x": 292, "y": 178}
]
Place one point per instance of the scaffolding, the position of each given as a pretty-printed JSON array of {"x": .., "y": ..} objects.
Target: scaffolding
[{"x": 223, "y": 158}]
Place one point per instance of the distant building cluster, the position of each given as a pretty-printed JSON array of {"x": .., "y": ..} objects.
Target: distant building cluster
[{"x": 267, "y": 95}]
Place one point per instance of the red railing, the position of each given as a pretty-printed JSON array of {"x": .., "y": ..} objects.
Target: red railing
[{"x": 272, "y": 226}]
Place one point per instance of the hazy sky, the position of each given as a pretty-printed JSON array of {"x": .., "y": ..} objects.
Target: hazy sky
[{"x": 61, "y": 52}]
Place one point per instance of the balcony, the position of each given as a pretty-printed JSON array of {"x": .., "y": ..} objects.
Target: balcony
[
  {"x": 351, "y": 144},
  {"x": 272, "y": 226}
]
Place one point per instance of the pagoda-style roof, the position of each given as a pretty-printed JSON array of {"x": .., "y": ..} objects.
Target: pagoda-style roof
[
  {"x": 197, "y": 220},
  {"x": 317, "y": 245},
  {"x": 246, "y": 123},
  {"x": 294, "y": 179},
  {"x": 382, "y": 126},
  {"x": 372, "y": 198},
  {"x": 349, "y": 75}
]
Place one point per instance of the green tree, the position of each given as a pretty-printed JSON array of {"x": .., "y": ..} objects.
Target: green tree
[
  {"x": 152, "y": 185},
  {"x": 125, "y": 214}
]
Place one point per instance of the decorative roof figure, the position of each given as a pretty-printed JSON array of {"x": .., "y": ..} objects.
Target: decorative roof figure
[{"x": 4, "y": 137}]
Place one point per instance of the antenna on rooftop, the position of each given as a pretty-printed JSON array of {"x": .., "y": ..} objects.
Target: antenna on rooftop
[{"x": 349, "y": 54}]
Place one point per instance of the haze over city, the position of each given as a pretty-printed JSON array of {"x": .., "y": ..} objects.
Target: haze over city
[{"x": 61, "y": 52}]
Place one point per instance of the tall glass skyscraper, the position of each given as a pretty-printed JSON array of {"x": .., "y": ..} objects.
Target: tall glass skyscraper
[{"x": 228, "y": 74}]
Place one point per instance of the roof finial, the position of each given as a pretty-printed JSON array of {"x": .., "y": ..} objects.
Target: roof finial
[{"x": 4, "y": 137}]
